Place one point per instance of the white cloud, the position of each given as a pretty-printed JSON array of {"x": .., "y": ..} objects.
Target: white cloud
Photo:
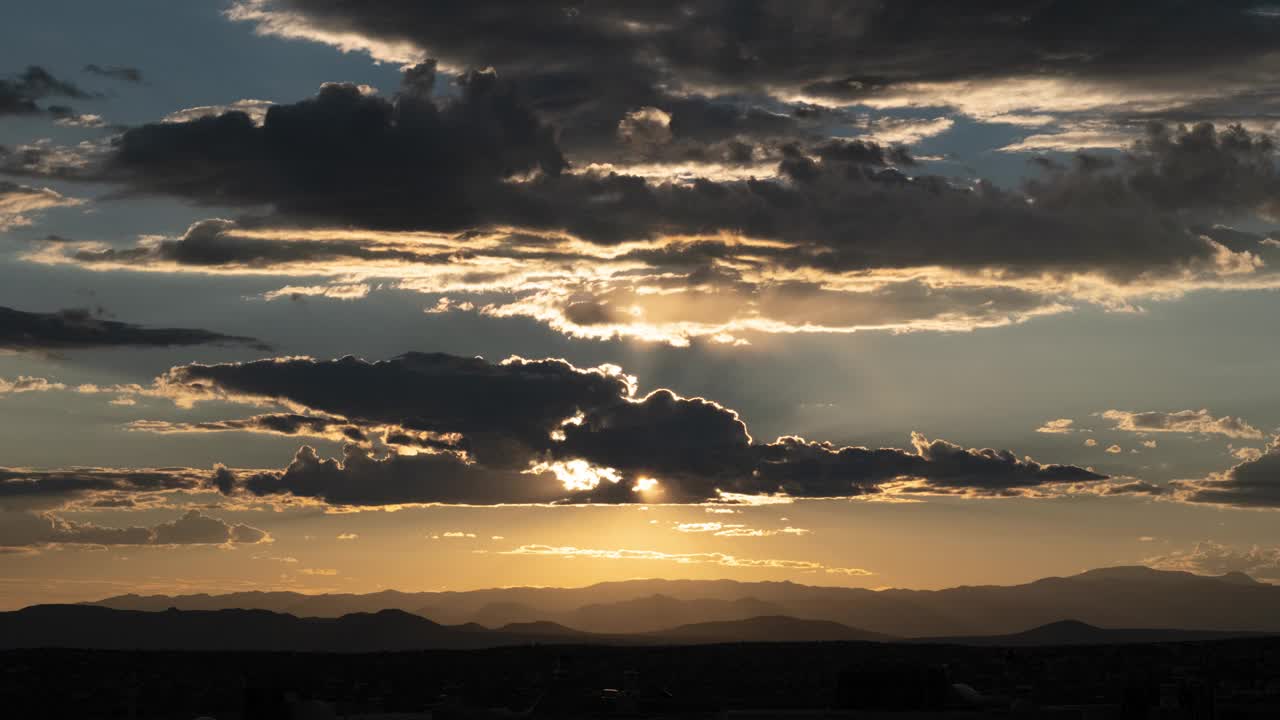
[
  {"x": 712, "y": 558},
  {"x": 1200, "y": 422},
  {"x": 1212, "y": 558},
  {"x": 1061, "y": 426}
]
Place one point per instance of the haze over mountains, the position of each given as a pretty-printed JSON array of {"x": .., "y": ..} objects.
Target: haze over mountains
[
  {"x": 87, "y": 626},
  {"x": 1120, "y": 597}
]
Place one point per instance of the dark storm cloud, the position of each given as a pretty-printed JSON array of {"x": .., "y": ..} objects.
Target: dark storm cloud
[
  {"x": 211, "y": 243},
  {"x": 847, "y": 211},
  {"x": 32, "y": 529},
  {"x": 578, "y": 435},
  {"x": 349, "y": 157},
  {"x": 591, "y": 61},
  {"x": 1254, "y": 483},
  {"x": 195, "y": 528},
  {"x": 584, "y": 68},
  {"x": 358, "y": 479},
  {"x": 82, "y": 330},
  {"x": 843, "y": 206},
  {"x": 693, "y": 445},
  {"x": 844, "y": 215},
  {"x": 502, "y": 409},
  {"x": 24, "y": 488},
  {"x": 115, "y": 72},
  {"x": 276, "y": 424},
  {"x": 21, "y": 94},
  {"x": 1174, "y": 168},
  {"x": 847, "y": 216},
  {"x": 946, "y": 467}
]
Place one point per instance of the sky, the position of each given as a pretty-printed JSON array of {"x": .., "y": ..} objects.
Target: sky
[{"x": 341, "y": 297}]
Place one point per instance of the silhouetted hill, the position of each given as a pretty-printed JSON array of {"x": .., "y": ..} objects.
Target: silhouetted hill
[
  {"x": 86, "y": 626},
  {"x": 655, "y": 612},
  {"x": 547, "y": 630},
  {"x": 1118, "y": 597},
  {"x": 1141, "y": 573},
  {"x": 83, "y": 626},
  {"x": 774, "y": 628},
  {"x": 1074, "y": 632},
  {"x": 495, "y": 614}
]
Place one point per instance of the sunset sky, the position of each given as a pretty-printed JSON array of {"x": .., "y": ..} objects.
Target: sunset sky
[{"x": 341, "y": 297}]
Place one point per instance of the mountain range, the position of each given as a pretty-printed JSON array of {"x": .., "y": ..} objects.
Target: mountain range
[
  {"x": 1117, "y": 597},
  {"x": 94, "y": 627},
  {"x": 99, "y": 628}
]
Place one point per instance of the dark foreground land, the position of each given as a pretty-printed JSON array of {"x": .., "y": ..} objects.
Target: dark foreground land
[{"x": 1220, "y": 679}]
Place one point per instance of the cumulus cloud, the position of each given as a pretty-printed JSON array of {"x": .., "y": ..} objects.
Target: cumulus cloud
[
  {"x": 821, "y": 246},
  {"x": 645, "y": 127},
  {"x": 116, "y": 72},
  {"x": 985, "y": 61},
  {"x": 1060, "y": 426},
  {"x": 1202, "y": 168},
  {"x": 21, "y": 94},
  {"x": 1246, "y": 453},
  {"x": 214, "y": 243},
  {"x": 1252, "y": 483},
  {"x": 538, "y": 431},
  {"x": 25, "y": 489},
  {"x": 360, "y": 479},
  {"x": 1212, "y": 558},
  {"x": 85, "y": 120},
  {"x": 80, "y": 330},
  {"x": 836, "y": 206},
  {"x": 256, "y": 110},
  {"x": 417, "y": 163},
  {"x": 125, "y": 394},
  {"x": 37, "y": 529},
  {"x": 1200, "y": 422},
  {"x": 19, "y": 202},
  {"x": 816, "y": 244},
  {"x": 26, "y": 384}
]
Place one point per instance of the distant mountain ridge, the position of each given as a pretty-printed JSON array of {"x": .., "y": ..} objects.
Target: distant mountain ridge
[
  {"x": 95, "y": 627},
  {"x": 99, "y": 628},
  {"x": 1116, "y": 597},
  {"x": 1074, "y": 632},
  {"x": 775, "y": 628}
]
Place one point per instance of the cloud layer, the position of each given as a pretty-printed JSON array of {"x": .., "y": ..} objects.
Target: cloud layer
[
  {"x": 19, "y": 202},
  {"x": 473, "y": 199},
  {"x": 445, "y": 429},
  {"x": 1253, "y": 483},
  {"x": 80, "y": 329},
  {"x": 985, "y": 61},
  {"x": 1200, "y": 422},
  {"x": 37, "y": 529},
  {"x": 22, "y": 93},
  {"x": 712, "y": 558},
  {"x": 720, "y": 171}
]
